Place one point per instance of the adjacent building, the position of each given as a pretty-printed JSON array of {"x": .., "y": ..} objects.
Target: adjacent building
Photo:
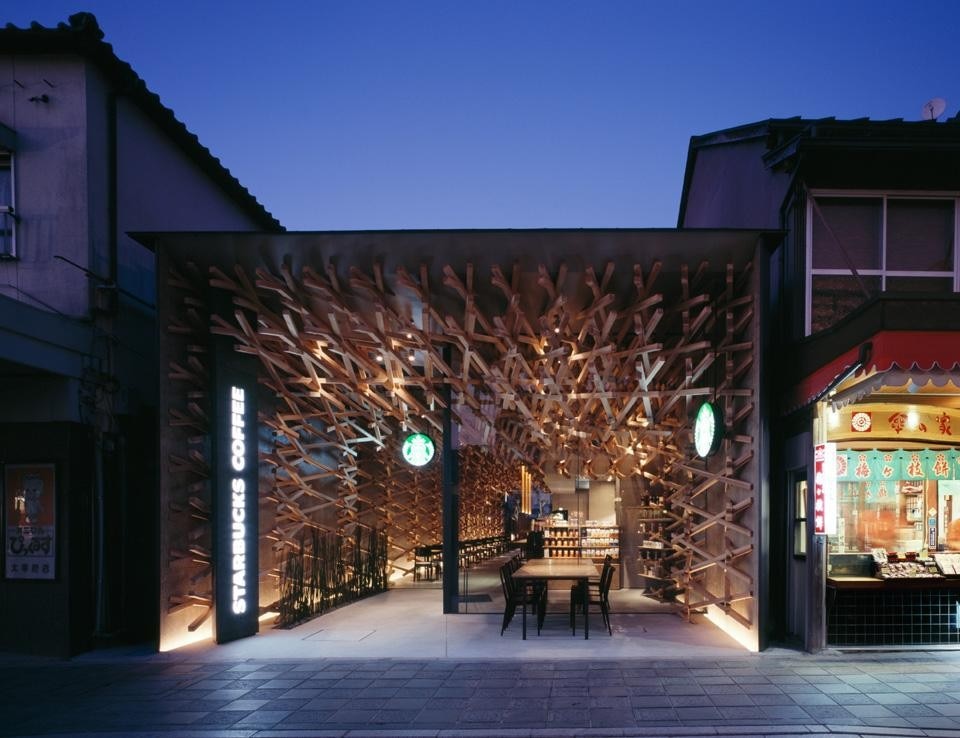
[
  {"x": 88, "y": 154},
  {"x": 865, "y": 364}
]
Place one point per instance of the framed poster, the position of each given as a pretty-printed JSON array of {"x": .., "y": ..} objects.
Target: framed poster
[{"x": 30, "y": 518}]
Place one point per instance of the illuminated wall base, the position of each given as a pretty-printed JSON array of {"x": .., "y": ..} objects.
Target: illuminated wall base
[{"x": 746, "y": 637}]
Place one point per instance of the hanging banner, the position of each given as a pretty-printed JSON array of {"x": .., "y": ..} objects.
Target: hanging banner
[
  {"x": 825, "y": 489},
  {"x": 897, "y": 466}
]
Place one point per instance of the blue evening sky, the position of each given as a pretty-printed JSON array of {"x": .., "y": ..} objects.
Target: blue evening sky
[{"x": 507, "y": 113}]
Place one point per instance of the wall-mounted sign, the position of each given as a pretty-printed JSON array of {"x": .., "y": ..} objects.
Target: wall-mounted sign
[
  {"x": 825, "y": 489},
  {"x": 31, "y": 538},
  {"x": 707, "y": 429},
  {"x": 236, "y": 575},
  {"x": 418, "y": 449}
]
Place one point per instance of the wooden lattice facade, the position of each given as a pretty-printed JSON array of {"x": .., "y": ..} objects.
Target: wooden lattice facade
[{"x": 568, "y": 352}]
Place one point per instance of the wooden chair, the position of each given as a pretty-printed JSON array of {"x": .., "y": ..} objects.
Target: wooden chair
[
  {"x": 515, "y": 593},
  {"x": 597, "y": 594}
]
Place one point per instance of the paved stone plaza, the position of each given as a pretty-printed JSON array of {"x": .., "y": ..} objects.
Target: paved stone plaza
[{"x": 773, "y": 693}]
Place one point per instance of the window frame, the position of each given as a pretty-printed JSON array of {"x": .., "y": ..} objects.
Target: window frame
[
  {"x": 884, "y": 196},
  {"x": 8, "y": 211},
  {"x": 799, "y": 490}
]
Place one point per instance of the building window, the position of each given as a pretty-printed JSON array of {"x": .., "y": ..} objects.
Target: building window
[
  {"x": 7, "y": 217},
  {"x": 800, "y": 518},
  {"x": 861, "y": 245}
]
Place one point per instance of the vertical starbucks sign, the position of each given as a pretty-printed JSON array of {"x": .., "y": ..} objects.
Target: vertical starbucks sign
[{"x": 236, "y": 534}]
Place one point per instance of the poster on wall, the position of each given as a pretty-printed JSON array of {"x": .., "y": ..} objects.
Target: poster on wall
[{"x": 31, "y": 531}]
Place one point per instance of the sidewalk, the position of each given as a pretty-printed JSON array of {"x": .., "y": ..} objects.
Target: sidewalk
[
  {"x": 773, "y": 693},
  {"x": 395, "y": 665}
]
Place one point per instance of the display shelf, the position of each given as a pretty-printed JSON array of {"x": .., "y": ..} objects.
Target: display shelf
[{"x": 590, "y": 541}]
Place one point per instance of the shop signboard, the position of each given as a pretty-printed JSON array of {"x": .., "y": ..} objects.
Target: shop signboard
[
  {"x": 825, "y": 489},
  {"x": 236, "y": 534},
  {"x": 897, "y": 465},
  {"x": 31, "y": 535}
]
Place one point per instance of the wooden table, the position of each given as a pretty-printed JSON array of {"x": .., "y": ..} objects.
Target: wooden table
[{"x": 546, "y": 569}]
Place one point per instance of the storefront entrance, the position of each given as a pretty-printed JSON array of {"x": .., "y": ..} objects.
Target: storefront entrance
[{"x": 576, "y": 356}]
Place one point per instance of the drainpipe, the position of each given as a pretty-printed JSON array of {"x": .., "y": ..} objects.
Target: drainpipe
[{"x": 101, "y": 423}]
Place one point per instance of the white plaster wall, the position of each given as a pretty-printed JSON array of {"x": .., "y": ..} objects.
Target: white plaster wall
[
  {"x": 161, "y": 189},
  {"x": 50, "y": 173}
]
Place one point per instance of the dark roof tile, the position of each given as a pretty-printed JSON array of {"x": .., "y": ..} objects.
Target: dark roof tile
[{"x": 83, "y": 36}]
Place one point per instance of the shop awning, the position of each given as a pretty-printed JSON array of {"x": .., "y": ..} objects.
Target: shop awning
[{"x": 888, "y": 358}]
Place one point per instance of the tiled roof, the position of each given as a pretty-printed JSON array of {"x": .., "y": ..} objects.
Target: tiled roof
[{"x": 83, "y": 36}]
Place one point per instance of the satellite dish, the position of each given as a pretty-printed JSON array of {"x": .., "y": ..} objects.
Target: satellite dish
[{"x": 933, "y": 109}]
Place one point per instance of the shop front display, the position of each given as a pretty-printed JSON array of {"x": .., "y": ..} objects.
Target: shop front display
[{"x": 892, "y": 575}]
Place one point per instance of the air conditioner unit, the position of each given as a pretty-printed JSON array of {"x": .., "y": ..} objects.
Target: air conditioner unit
[{"x": 581, "y": 484}]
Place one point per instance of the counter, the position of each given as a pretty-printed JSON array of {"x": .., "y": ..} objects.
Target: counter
[{"x": 909, "y": 611}]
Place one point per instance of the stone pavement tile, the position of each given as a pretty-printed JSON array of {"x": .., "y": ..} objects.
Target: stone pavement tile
[
  {"x": 722, "y": 689},
  {"x": 244, "y": 704},
  {"x": 895, "y": 724},
  {"x": 892, "y": 698},
  {"x": 691, "y": 700},
  {"x": 807, "y": 698},
  {"x": 406, "y": 703},
  {"x": 177, "y": 718},
  {"x": 302, "y": 693},
  {"x": 281, "y": 683},
  {"x": 786, "y": 712},
  {"x": 567, "y": 719},
  {"x": 734, "y": 700},
  {"x": 476, "y": 715},
  {"x": 532, "y": 717},
  {"x": 395, "y": 717},
  {"x": 441, "y": 718},
  {"x": 655, "y": 715},
  {"x": 224, "y": 718},
  {"x": 577, "y": 690},
  {"x": 326, "y": 703},
  {"x": 786, "y": 679},
  {"x": 943, "y": 723},
  {"x": 208, "y": 684},
  {"x": 611, "y": 717},
  {"x": 914, "y": 711},
  {"x": 560, "y": 703},
  {"x": 739, "y": 712},
  {"x": 608, "y": 690},
  {"x": 352, "y": 683},
  {"x": 422, "y": 692},
  {"x": 318, "y": 683},
  {"x": 447, "y": 692},
  {"x": 307, "y": 717},
  {"x": 286, "y": 703},
  {"x": 349, "y": 715},
  {"x": 610, "y": 702},
  {"x": 769, "y": 688},
  {"x": 870, "y": 711},
  {"x": 697, "y": 713},
  {"x": 688, "y": 688},
  {"x": 832, "y": 713},
  {"x": 651, "y": 700},
  {"x": 226, "y": 694},
  {"x": 837, "y": 688},
  {"x": 855, "y": 698},
  {"x": 262, "y": 719},
  {"x": 371, "y": 692},
  {"x": 265, "y": 694},
  {"x": 714, "y": 679}
]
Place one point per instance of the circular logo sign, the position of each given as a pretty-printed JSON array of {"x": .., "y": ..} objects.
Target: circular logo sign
[
  {"x": 417, "y": 449},
  {"x": 707, "y": 429}
]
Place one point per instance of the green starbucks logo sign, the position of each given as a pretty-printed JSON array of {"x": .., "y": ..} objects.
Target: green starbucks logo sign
[
  {"x": 707, "y": 429},
  {"x": 417, "y": 449}
]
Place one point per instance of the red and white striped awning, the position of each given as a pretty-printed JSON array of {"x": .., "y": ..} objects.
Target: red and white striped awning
[{"x": 888, "y": 358}]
